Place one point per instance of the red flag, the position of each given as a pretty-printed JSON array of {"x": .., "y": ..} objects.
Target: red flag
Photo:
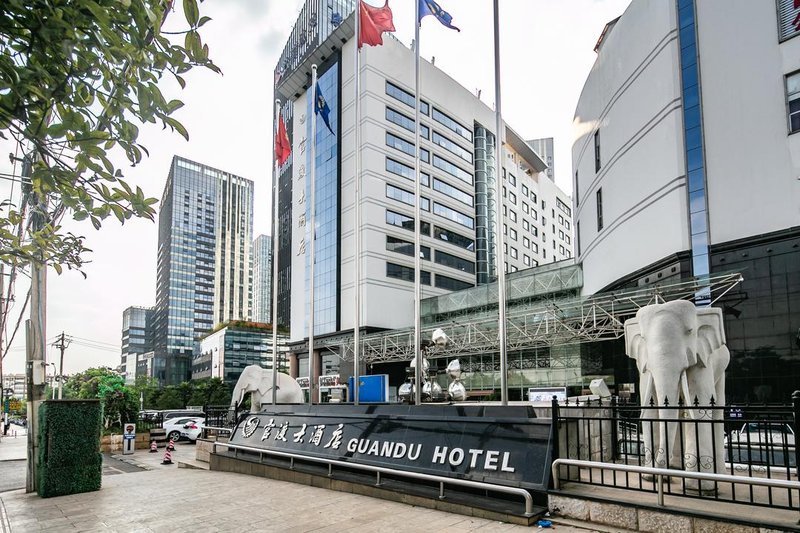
[
  {"x": 282, "y": 147},
  {"x": 374, "y": 21}
]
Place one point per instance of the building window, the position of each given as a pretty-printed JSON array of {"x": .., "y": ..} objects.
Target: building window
[
  {"x": 597, "y": 151},
  {"x": 578, "y": 236},
  {"x": 793, "y": 95},
  {"x": 512, "y": 197},
  {"x": 450, "y": 168},
  {"x": 451, "y": 124},
  {"x": 407, "y": 147},
  {"x": 405, "y": 222},
  {"x": 513, "y": 253},
  {"x": 511, "y": 179},
  {"x": 577, "y": 184},
  {"x": 599, "y": 209},
  {"x": 453, "y": 261},
  {"x": 452, "y": 192},
  {"x": 451, "y": 284},
  {"x": 393, "y": 244},
  {"x": 406, "y": 97},
  {"x": 513, "y": 234},
  {"x": 453, "y": 238},
  {"x": 526, "y": 259},
  {"x": 402, "y": 195},
  {"x": 401, "y": 169},
  {"x": 395, "y": 117},
  {"x": 512, "y": 215},
  {"x": 452, "y": 147},
  {"x": 452, "y": 214},
  {"x": 406, "y": 273},
  {"x": 526, "y": 225},
  {"x": 526, "y": 242},
  {"x": 524, "y": 190},
  {"x": 789, "y": 19}
]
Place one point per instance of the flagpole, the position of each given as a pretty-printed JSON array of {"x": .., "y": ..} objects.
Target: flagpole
[
  {"x": 418, "y": 221},
  {"x": 312, "y": 178},
  {"x": 276, "y": 230},
  {"x": 357, "y": 211},
  {"x": 500, "y": 253}
]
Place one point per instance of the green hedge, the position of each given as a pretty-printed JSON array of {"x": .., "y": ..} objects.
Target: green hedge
[{"x": 69, "y": 447}]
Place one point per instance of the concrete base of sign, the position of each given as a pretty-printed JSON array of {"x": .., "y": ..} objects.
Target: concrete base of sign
[{"x": 411, "y": 493}]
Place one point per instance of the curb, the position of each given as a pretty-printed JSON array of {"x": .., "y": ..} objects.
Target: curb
[{"x": 5, "y": 524}]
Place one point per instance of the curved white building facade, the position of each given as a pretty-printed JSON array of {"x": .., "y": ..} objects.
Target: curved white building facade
[{"x": 686, "y": 162}]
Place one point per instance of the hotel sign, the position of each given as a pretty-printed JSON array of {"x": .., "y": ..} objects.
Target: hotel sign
[{"x": 504, "y": 446}]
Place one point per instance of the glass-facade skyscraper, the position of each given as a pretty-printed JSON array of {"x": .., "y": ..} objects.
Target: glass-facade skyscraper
[
  {"x": 137, "y": 338},
  {"x": 204, "y": 271},
  {"x": 262, "y": 278}
]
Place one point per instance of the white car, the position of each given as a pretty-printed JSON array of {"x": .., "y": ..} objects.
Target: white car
[
  {"x": 764, "y": 433},
  {"x": 184, "y": 427}
]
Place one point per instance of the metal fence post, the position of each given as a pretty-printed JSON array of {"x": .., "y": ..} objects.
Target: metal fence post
[
  {"x": 554, "y": 417},
  {"x": 614, "y": 429},
  {"x": 796, "y": 416}
]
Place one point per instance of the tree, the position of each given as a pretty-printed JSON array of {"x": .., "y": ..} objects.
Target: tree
[
  {"x": 120, "y": 403},
  {"x": 77, "y": 77}
]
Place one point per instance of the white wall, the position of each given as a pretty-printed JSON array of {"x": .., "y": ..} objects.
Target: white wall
[
  {"x": 632, "y": 95},
  {"x": 752, "y": 163}
]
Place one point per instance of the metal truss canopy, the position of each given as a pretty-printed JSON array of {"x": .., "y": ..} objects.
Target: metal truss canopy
[{"x": 537, "y": 324}]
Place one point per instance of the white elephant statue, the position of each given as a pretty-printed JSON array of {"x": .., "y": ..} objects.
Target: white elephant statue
[
  {"x": 681, "y": 356},
  {"x": 257, "y": 382}
]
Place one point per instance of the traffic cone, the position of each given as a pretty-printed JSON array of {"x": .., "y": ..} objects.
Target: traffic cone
[
  {"x": 171, "y": 445},
  {"x": 167, "y": 457},
  {"x": 153, "y": 447}
]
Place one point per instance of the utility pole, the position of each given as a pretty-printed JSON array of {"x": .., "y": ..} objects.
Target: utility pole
[
  {"x": 35, "y": 330},
  {"x": 61, "y": 344}
]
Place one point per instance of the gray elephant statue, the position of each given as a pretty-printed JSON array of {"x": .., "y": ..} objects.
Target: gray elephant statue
[
  {"x": 257, "y": 382},
  {"x": 681, "y": 356}
]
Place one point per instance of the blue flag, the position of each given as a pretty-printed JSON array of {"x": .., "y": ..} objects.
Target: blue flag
[
  {"x": 429, "y": 7},
  {"x": 321, "y": 108}
]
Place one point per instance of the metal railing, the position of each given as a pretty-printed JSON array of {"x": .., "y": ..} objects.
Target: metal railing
[
  {"x": 661, "y": 473},
  {"x": 752, "y": 442},
  {"x": 378, "y": 470}
]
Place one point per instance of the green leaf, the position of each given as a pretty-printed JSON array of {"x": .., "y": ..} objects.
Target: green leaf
[{"x": 191, "y": 11}]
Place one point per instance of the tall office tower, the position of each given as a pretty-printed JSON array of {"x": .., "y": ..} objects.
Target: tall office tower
[
  {"x": 458, "y": 176},
  {"x": 262, "y": 279},
  {"x": 204, "y": 268},
  {"x": 137, "y": 338}
]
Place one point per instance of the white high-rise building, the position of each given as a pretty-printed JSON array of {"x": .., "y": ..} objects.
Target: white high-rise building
[{"x": 458, "y": 199}]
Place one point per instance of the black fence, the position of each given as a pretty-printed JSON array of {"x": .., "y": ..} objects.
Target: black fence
[
  {"x": 220, "y": 416},
  {"x": 742, "y": 440}
]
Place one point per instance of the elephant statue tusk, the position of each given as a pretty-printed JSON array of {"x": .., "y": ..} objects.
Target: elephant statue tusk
[{"x": 685, "y": 389}]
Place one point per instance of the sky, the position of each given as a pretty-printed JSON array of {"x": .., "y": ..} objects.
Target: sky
[{"x": 546, "y": 52}]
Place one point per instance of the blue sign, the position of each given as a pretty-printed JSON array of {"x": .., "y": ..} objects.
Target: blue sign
[{"x": 371, "y": 389}]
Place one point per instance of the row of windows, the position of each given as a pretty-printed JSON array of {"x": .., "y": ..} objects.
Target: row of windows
[
  {"x": 452, "y": 124},
  {"x": 453, "y": 192},
  {"x": 406, "y": 97},
  {"x": 443, "y": 282},
  {"x": 395, "y": 117},
  {"x": 405, "y": 222},
  {"x": 451, "y": 214},
  {"x": 398, "y": 143},
  {"x": 393, "y": 244},
  {"x": 793, "y": 95},
  {"x": 402, "y": 195},
  {"x": 401, "y": 169},
  {"x": 450, "y": 168},
  {"x": 452, "y": 147}
]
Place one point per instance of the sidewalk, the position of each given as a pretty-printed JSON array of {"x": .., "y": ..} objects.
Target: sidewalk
[
  {"x": 14, "y": 448},
  {"x": 166, "y": 498}
]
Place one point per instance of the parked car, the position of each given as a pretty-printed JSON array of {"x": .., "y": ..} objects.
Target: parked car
[
  {"x": 767, "y": 433},
  {"x": 181, "y": 413},
  {"x": 185, "y": 427},
  {"x": 771, "y": 443}
]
